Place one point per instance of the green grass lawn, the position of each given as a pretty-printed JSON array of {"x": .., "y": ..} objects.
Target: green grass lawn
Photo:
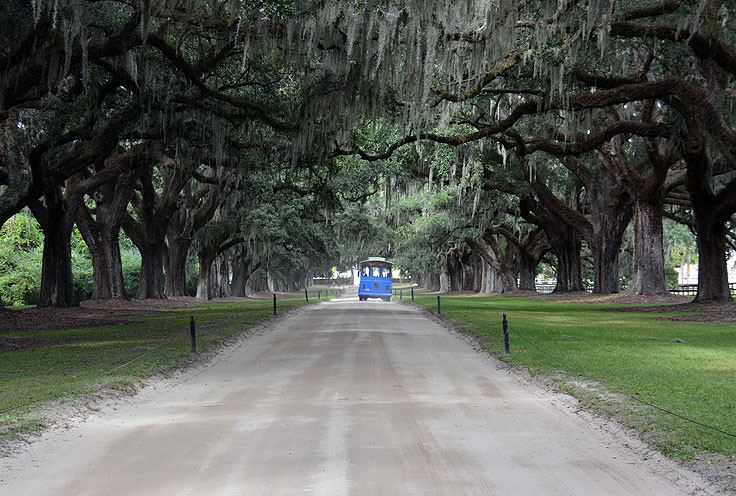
[
  {"x": 594, "y": 353},
  {"x": 86, "y": 359}
]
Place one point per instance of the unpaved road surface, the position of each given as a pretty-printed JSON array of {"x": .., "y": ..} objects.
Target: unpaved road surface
[{"x": 346, "y": 397}]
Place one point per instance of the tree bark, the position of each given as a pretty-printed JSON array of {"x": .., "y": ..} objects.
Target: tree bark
[
  {"x": 564, "y": 242},
  {"x": 430, "y": 280},
  {"x": 101, "y": 233},
  {"x": 527, "y": 272},
  {"x": 56, "y": 217},
  {"x": 103, "y": 243},
  {"x": 566, "y": 246},
  {"x": 57, "y": 281},
  {"x": 220, "y": 274},
  {"x": 257, "y": 283},
  {"x": 606, "y": 254},
  {"x": 176, "y": 266},
  {"x": 204, "y": 279},
  {"x": 611, "y": 209},
  {"x": 503, "y": 277},
  {"x": 151, "y": 283},
  {"x": 243, "y": 267},
  {"x": 209, "y": 251},
  {"x": 197, "y": 208},
  {"x": 148, "y": 232},
  {"x": 712, "y": 268},
  {"x": 711, "y": 211},
  {"x": 444, "y": 282},
  {"x": 648, "y": 277}
]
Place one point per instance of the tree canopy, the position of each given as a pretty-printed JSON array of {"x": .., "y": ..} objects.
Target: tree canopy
[{"x": 471, "y": 141}]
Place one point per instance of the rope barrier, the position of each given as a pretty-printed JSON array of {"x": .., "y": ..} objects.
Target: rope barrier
[
  {"x": 163, "y": 341},
  {"x": 77, "y": 384},
  {"x": 624, "y": 393}
]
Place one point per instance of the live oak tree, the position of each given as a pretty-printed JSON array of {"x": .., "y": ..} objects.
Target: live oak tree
[
  {"x": 580, "y": 60},
  {"x": 635, "y": 100}
]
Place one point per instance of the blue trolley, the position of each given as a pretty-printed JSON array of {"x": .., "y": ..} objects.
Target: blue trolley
[{"x": 375, "y": 279}]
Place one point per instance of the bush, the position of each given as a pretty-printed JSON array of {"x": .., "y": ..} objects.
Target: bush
[
  {"x": 131, "y": 260},
  {"x": 81, "y": 267},
  {"x": 21, "y": 252},
  {"x": 19, "y": 287}
]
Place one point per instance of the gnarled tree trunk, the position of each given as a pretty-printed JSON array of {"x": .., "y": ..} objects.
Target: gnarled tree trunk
[
  {"x": 204, "y": 278},
  {"x": 101, "y": 233},
  {"x": 242, "y": 271},
  {"x": 503, "y": 276},
  {"x": 176, "y": 274},
  {"x": 648, "y": 277},
  {"x": 606, "y": 253},
  {"x": 220, "y": 277},
  {"x": 712, "y": 268},
  {"x": 56, "y": 217},
  {"x": 107, "y": 265}
]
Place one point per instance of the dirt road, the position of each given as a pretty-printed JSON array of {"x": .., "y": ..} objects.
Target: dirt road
[{"x": 347, "y": 397}]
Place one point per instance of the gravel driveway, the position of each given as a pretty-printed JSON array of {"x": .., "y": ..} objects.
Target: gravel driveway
[{"x": 345, "y": 397}]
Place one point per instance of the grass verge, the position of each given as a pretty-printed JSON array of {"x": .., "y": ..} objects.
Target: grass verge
[
  {"x": 601, "y": 356},
  {"x": 81, "y": 361}
]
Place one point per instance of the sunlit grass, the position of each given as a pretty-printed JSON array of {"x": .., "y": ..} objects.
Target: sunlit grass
[{"x": 620, "y": 352}]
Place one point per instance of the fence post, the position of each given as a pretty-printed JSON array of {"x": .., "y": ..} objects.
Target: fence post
[
  {"x": 439, "y": 305},
  {"x": 319, "y": 294},
  {"x": 193, "y": 334},
  {"x": 274, "y": 303},
  {"x": 401, "y": 294},
  {"x": 412, "y": 294},
  {"x": 306, "y": 295},
  {"x": 505, "y": 334}
]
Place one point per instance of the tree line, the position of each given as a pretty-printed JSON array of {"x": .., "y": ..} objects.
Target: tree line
[
  {"x": 257, "y": 134},
  {"x": 587, "y": 117}
]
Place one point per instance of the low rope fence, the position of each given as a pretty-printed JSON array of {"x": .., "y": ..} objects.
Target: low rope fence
[
  {"x": 509, "y": 334},
  {"x": 166, "y": 339}
]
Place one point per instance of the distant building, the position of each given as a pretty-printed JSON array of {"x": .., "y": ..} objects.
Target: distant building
[{"x": 688, "y": 273}]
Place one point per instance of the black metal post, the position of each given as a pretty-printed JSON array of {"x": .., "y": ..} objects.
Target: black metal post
[
  {"x": 412, "y": 294},
  {"x": 319, "y": 294},
  {"x": 505, "y": 334},
  {"x": 306, "y": 295},
  {"x": 439, "y": 305},
  {"x": 193, "y": 334},
  {"x": 401, "y": 294},
  {"x": 274, "y": 303}
]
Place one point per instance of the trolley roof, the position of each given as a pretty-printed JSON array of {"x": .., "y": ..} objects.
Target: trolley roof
[{"x": 375, "y": 261}]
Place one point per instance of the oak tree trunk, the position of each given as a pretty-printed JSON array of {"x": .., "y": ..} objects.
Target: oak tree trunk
[
  {"x": 527, "y": 272},
  {"x": 204, "y": 278},
  {"x": 444, "y": 282},
  {"x": 241, "y": 272},
  {"x": 102, "y": 240},
  {"x": 712, "y": 268},
  {"x": 151, "y": 283},
  {"x": 566, "y": 246},
  {"x": 648, "y": 277},
  {"x": 176, "y": 266},
  {"x": 57, "y": 281},
  {"x": 606, "y": 253},
  {"x": 220, "y": 277},
  {"x": 56, "y": 219}
]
